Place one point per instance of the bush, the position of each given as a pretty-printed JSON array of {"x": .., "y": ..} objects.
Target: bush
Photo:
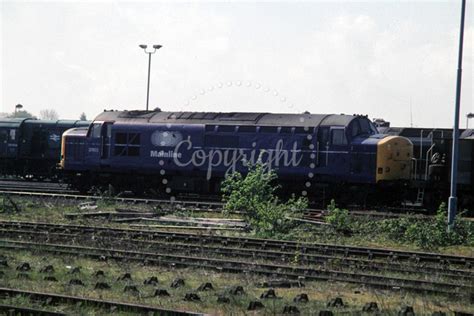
[
  {"x": 424, "y": 232},
  {"x": 428, "y": 233},
  {"x": 254, "y": 195},
  {"x": 338, "y": 218},
  {"x": 246, "y": 193}
]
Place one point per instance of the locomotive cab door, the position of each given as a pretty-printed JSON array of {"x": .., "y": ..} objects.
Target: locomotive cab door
[
  {"x": 322, "y": 147},
  {"x": 106, "y": 135},
  {"x": 338, "y": 152},
  {"x": 99, "y": 143},
  {"x": 4, "y": 140}
]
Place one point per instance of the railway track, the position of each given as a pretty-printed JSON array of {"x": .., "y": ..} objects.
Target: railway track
[
  {"x": 57, "y": 298},
  {"x": 199, "y": 205},
  {"x": 21, "y": 310},
  {"x": 193, "y": 253},
  {"x": 249, "y": 243},
  {"x": 35, "y": 186},
  {"x": 61, "y": 190},
  {"x": 323, "y": 261},
  {"x": 234, "y": 266},
  {"x": 316, "y": 216}
]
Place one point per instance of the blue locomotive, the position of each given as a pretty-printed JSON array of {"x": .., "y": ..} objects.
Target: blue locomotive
[
  {"x": 193, "y": 151},
  {"x": 30, "y": 148}
]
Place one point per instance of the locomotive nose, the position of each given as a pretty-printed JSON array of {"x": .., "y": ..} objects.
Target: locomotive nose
[{"x": 394, "y": 155}]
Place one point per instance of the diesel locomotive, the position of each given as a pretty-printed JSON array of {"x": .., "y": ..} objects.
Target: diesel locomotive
[
  {"x": 30, "y": 148},
  {"x": 432, "y": 148},
  {"x": 175, "y": 152}
]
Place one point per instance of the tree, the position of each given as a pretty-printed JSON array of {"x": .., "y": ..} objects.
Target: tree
[
  {"x": 49, "y": 114},
  {"x": 21, "y": 114},
  {"x": 83, "y": 117}
]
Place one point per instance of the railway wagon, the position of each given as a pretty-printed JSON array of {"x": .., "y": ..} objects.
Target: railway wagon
[
  {"x": 30, "y": 148},
  {"x": 192, "y": 151},
  {"x": 432, "y": 148}
]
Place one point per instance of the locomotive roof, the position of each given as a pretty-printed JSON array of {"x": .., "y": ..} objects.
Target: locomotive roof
[
  {"x": 231, "y": 118},
  {"x": 13, "y": 122},
  {"x": 16, "y": 122},
  {"x": 417, "y": 132},
  {"x": 77, "y": 131}
]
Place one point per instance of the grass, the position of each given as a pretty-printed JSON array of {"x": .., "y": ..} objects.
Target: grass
[
  {"x": 310, "y": 233},
  {"x": 319, "y": 292},
  {"x": 355, "y": 296},
  {"x": 53, "y": 210}
]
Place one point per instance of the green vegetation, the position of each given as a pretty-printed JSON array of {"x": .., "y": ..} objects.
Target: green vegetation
[
  {"x": 354, "y": 296},
  {"x": 427, "y": 233},
  {"x": 7, "y": 205},
  {"x": 254, "y": 195},
  {"x": 419, "y": 231},
  {"x": 338, "y": 218},
  {"x": 270, "y": 218}
]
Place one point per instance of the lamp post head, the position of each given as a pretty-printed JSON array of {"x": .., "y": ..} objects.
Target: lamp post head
[
  {"x": 470, "y": 115},
  {"x": 157, "y": 46},
  {"x": 142, "y": 46}
]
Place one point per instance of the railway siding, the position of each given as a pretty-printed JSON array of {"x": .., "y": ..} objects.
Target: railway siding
[
  {"x": 257, "y": 243},
  {"x": 110, "y": 305},
  {"x": 194, "y": 251}
]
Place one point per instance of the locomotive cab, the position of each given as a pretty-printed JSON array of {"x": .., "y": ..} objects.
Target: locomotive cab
[
  {"x": 73, "y": 148},
  {"x": 351, "y": 146}
]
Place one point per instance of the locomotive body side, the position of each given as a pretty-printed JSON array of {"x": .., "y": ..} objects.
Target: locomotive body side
[
  {"x": 10, "y": 130},
  {"x": 163, "y": 149},
  {"x": 31, "y": 148}
]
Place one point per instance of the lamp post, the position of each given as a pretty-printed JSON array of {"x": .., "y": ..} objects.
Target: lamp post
[
  {"x": 155, "y": 48},
  {"x": 18, "y": 107},
  {"x": 453, "y": 200},
  {"x": 468, "y": 117}
]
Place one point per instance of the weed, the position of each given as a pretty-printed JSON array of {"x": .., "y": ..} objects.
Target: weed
[
  {"x": 338, "y": 218},
  {"x": 429, "y": 233},
  {"x": 254, "y": 194}
]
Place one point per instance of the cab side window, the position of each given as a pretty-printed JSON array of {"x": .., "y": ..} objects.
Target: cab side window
[
  {"x": 13, "y": 134},
  {"x": 3, "y": 136},
  {"x": 323, "y": 136},
  {"x": 95, "y": 130},
  {"x": 365, "y": 127},
  {"x": 127, "y": 144},
  {"x": 355, "y": 129},
  {"x": 338, "y": 137}
]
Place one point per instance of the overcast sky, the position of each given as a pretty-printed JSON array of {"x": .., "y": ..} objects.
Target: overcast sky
[{"x": 395, "y": 60}]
